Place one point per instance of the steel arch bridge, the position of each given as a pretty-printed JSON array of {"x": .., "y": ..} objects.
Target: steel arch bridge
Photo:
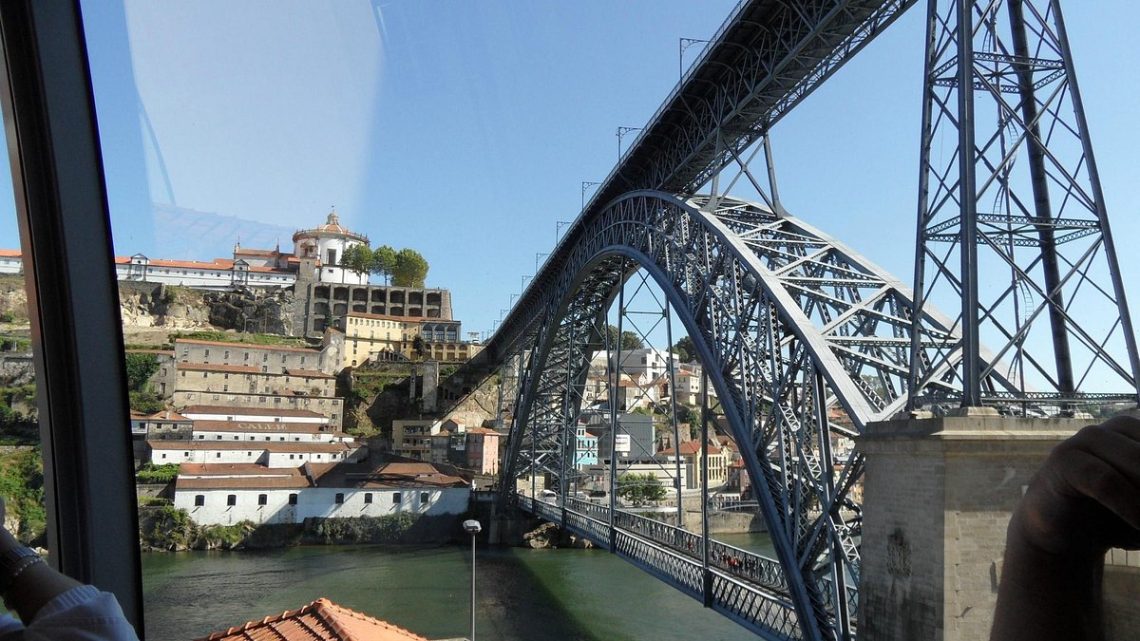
[
  {"x": 789, "y": 323},
  {"x": 786, "y": 322}
]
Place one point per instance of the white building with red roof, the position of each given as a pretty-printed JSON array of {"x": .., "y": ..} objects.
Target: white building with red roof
[{"x": 225, "y": 494}]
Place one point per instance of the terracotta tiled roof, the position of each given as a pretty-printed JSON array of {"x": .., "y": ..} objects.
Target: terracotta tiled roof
[
  {"x": 223, "y": 410},
  {"x": 482, "y": 430},
  {"x": 321, "y": 620},
  {"x": 235, "y": 469},
  {"x": 168, "y": 415},
  {"x": 362, "y": 475},
  {"x": 236, "y": 345},
  {"x": 9, "y": 253},
  {"x": 727, "y": 442},
  {"x": 258, "y": 426},
  {"x": 689, "y": 448},
  {"x": 241, "y": 483}
]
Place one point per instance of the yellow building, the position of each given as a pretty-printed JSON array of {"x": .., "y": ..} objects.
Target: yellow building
[
  {"x": 379, "y": 337},
  {"x": 691, "y": 459},
  {"x": 376, "y": 335}
]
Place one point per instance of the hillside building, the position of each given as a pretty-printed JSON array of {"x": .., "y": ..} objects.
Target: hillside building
[
  {"x": 690, "y": 453},
  {"x": 475, "y": 449},
  {"x": 269, "y": 378}
]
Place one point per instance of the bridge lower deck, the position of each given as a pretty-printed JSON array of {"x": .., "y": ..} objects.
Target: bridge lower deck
[{"x": 745, "y": 586}]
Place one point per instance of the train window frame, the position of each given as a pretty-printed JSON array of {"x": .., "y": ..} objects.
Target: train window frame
[{"x": 65, "y": 236}]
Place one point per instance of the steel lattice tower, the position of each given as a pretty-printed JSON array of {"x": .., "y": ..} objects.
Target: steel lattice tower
[{"x": 1011, "y": 217}]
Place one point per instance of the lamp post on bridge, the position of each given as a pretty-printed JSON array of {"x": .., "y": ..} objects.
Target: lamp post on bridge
[
  {"x": 564, "y": 223},
  {"x": 682, "y": 45},
  {"x": 472, "y": 527},
  {"x": 586, "y": 184},
  {"x": 621, "y": 132},
  {"x": 537, "y": 257}
]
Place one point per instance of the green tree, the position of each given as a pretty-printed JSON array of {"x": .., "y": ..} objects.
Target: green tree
[
  {"x": 685, "y": 350},
  {"x": 411, "y": 269},
  {"x": 629, "y": 340},
  {"x": 384, "y": 262},
  {"x": 145, "y": 401},
  {"x": 640, "y": 488},
  {"x": 140, "y": 367},
  {"x": 358, "y": 258}
]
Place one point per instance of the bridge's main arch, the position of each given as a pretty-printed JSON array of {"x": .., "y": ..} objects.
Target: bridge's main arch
[{"x": 786, "y": 321}]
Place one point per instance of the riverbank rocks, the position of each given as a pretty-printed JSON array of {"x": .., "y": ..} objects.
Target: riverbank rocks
[
  {"x": 549, "y": 536},
  {"x": 542, "y": 537}
]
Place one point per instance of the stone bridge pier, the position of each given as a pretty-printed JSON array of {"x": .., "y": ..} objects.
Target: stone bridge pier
[{"x": 938, "y": 496}]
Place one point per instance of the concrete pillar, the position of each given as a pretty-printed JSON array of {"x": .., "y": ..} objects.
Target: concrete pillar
[{"x": 938, "y": 494}]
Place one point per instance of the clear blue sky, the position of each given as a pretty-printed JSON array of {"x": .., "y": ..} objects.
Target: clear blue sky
[{"x": 464, "y": 129}]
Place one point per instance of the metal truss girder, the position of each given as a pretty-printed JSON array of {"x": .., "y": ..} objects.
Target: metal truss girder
[{"x": 1019, "y": 197}]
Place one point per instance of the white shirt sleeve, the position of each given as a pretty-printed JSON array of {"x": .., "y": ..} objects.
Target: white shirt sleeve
[{"x": 80, "y": 614}]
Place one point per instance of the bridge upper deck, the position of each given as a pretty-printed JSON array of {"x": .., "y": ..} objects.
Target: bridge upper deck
[{"x": 765, "y": 58}]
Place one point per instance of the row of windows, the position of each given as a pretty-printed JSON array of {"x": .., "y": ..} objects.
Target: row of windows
[
  {"x": 263, "y": 499},
  {"x": 245, "y": 355},
  {"x": 261, "y": 399},
  {"x": 332, "y": 457},
  {"x": 218, "y": 437},
  {"x": 249, "y": 377},
  {"x": 369, "y": 322}
]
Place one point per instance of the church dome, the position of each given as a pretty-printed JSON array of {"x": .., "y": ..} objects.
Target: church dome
[{"x": 331, "y": 229}]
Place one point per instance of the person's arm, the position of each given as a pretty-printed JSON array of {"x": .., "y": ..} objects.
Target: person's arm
[
  {"x": 1083, "y": 501},
  {"x": 35, "y": 585},
  {"x": 53, "y": 606}
]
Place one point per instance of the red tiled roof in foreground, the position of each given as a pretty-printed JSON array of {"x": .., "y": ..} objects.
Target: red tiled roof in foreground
[{"x": 321, "y": 620}]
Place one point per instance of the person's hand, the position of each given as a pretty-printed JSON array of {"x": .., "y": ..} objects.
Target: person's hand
[
  {"x": 1084, "y": 500},
  {"x": 1086, "y": 497}
]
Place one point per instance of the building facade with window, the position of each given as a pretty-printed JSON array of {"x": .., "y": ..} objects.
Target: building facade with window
[
  {"x": 379, "y": 337},
  {"x": 225, "y": 495},
  {"x": 275, "y": 452}
]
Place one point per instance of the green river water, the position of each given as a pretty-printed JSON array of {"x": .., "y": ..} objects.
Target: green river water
[{"x": 523, "y": 595}]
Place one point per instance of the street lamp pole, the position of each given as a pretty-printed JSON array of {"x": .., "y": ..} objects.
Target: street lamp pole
[{"x": 472, "y": 527}]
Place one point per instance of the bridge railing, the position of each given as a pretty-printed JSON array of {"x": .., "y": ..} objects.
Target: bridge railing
[
  {"x": 676, "y": 555},
  {"x": 592, "y": 520}
]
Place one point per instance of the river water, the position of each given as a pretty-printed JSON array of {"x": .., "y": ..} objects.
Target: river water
[{"x": 522, "y": 595}]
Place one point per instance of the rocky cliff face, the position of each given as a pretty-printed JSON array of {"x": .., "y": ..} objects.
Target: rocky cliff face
[
  {"x": 13, "y": 298},
  {"x": 151, "y": 305},
  {"x": 263, "y": 311}
]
